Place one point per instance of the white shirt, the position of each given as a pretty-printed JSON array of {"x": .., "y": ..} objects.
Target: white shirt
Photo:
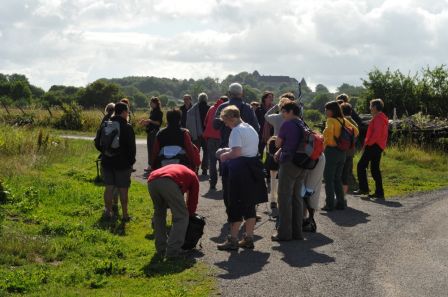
[{"x": 245, "y": 137}]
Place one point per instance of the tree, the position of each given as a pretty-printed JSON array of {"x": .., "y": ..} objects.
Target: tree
[
  {"x": 319, "y": 101},
  {"x": 20, "y": 93},
  {"x": 352, "y": 91},
  {"x": 100, "y": 93},
  {"x": 320, "y": 88},
  {"x": 171, "y": 104}
]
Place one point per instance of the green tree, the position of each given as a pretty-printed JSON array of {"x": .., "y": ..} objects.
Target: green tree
[
  {"x": 319, "y": 101},
  {"x": 100, "y": 93},
  {"x": 320, "y": 88}
]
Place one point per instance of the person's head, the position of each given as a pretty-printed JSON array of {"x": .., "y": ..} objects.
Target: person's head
[
  {"x": 340, "y": 102},
  {"x": 224, "y": 98},
  {"x": 288, "y": 95},
  {"x": 110, "y": 108},
  {"x": 126, "y": 101},
  {"x": 202, "y": 97},
  {"x": 231, "y": 116},
  {"x": 346, "y": 109},
  {"x": 267, "y": 98},
  {"x": 376, "y": 106},
  {"x": 283, "y": 101},
  {"x": 173, "y": 117},
  {"x": 122, "y": 110},
  {"x": 333, "y": 110},
  {"x": 236, "y": 90},
  {"x": 290, "y": 111},
  {"x": 154, "y": 103},
  {"x": 187, "y": 99},
  {"x": 343, "y": 97}
]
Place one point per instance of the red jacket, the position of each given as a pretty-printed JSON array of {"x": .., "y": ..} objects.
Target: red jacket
[
  {"x": 378, "y": 131},
  {"x": 185, "y": 178},
  {"x": 209, "y": 131}
]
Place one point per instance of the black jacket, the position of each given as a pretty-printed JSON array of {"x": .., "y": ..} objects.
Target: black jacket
[
  {"x": 126, "y": 158},
  {"x": 246, "y": 181}
]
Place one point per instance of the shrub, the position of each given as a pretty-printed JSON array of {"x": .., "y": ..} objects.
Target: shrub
[
  {"x": 71, "y": 118},
  {"x": 313, "y": 115}
]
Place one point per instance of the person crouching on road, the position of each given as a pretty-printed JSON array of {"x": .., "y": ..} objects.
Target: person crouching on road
[
  {"x": 166, "y": 187},
  {"x": 245, "y": 179}
]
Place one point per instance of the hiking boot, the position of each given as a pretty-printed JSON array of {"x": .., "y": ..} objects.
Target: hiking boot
[
  {"x": 258, "y": 218},
  {"x": 360, "y": 192},
  {"x": 327, "y": 208},
  {"x": 231, "y": 244},
  {"x": 377, "y": 196},
  {"x": 247, "y": 242}
]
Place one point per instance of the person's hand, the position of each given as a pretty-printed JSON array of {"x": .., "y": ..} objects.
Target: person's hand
[
  {"x": 223, "y": 157},
  {"x": 277, "y": 156}
]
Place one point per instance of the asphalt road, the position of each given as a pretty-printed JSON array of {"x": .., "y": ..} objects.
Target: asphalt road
[{"x": 395, "y": 248}]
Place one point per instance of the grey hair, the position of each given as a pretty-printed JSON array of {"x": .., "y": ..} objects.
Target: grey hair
[
  {"x": 109, "y": 108},
  {"x": 236, "y": 89},
  {"x": 202, "y": 97}
]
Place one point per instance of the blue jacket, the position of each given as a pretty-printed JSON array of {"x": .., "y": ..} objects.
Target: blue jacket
[{"x": 247, "y": 115}]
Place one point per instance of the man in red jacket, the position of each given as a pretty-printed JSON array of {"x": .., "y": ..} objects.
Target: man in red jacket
[
  {"x": 374, "y": 145},
  {"x": 167, "y": 187},
  {"x": 213, "y": 138}
]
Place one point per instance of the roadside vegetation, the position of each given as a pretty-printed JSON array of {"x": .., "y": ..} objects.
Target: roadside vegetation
[{"x": 53, "y": 240}]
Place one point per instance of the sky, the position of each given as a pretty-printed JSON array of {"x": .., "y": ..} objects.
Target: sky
[{"x": 329, "y": 42}]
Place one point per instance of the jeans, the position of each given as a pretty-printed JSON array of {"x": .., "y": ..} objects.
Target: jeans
[
  {"x": 334, "y": 164},
  {"x": 371, "y": 154},
  {"x": 212, "y": 147}
]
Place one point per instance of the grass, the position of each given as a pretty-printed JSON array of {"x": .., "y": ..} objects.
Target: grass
[
  {"x": 411, "y": 169},
  {"x": 53, "y": 240}
]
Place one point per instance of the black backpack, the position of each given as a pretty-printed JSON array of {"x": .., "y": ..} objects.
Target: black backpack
[
  {"x": 107, "y": 139},
  {"x": 194, "y": 232}
]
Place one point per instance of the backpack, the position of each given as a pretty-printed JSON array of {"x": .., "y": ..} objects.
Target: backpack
[
  {"x": 107, "y": 139},
  {"x": 345, "y": 141},
  {"x": 309, "y": 149},
  {"x": 194, "y": 232}
]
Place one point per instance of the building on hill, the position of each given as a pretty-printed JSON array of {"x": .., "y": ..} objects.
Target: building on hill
[{"x": 277, "y": 81}]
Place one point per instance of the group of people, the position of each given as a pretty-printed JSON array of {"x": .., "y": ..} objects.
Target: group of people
[{"x": 252, "y": 148}]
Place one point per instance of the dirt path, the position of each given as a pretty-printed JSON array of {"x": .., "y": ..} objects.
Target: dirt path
[{"x": 395, "y": 248}]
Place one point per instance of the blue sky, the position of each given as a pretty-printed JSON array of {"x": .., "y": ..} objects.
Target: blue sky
[{"x": 325, "y": 41}]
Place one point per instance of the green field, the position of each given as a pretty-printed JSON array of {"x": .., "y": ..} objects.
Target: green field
[{"x": 53, "y": 240}]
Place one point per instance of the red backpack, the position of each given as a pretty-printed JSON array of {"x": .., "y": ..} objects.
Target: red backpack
[
  {"x": 346, "y": 140},
  {"x": 310, "y": 148}
]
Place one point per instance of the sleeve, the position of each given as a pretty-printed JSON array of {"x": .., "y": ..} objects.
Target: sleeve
[
  {"x": 193, "y": 195},
  {"x": 235, "y": 138},
  {"x": 155, "y": 152},
  {"x": 217, "y": 122},
  {"x": 132, "y": 146},
  {"x": 283, "y": 130},
  {"x": 271, "y": 114},
  {"x": 328, "y": 133},
  {"x": 191, "y": 150}
]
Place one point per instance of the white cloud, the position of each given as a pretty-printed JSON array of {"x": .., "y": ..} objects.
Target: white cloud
[{"x": 326, "y": 41}]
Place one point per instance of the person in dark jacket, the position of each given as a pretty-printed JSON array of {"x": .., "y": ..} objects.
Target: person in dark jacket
[
  {"x": 247, "y": 114},
  {"x": 117, "y": 169},
  {"x": 175, "y": 136},
  {"x": 153, "y": 125},
  {"x": 245, "y": 179},
  {"x": 266, "y": 130},
  {"x": 184, "y": 109},
  {"x": 356, "y": 118},
  {"x": 196, "y": 125}
]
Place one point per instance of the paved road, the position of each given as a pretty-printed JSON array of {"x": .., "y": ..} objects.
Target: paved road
[{"x": 395, "y": 248}]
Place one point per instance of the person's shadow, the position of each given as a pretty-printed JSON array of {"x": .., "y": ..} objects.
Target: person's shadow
[
  {"x": 349, "y": 217},
  {"x": 387, "y": 203},
  {"x": 159, "y": 267},
  {"x": 302, "y": 254},
  {"x": 214, "y": 195},
  {"x": 242, "y": 264},
  {"x": 113, "y": 226}
]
